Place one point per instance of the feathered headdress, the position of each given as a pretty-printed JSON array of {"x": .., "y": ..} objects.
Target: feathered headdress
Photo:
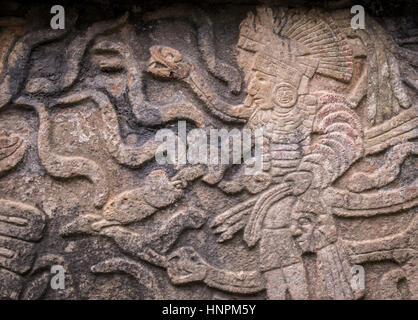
[{"x": 307, "y": 41}]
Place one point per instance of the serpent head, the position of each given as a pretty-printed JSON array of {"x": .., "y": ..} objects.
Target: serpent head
[
  {"x": 186, "y": 265},
  {"x": 167, "y": 62}
]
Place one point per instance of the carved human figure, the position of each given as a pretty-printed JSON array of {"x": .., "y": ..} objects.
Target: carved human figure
[
  {"x": 292, "y": 200},
  {"x": 277, "y": 70},
  {"x": 279, "y": 56},
  {"x": 315, "y": 233},
  {"x": 278, "y": 59},
  {"x": 278, "y": 65}
]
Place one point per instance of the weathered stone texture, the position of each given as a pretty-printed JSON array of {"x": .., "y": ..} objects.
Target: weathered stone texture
[{"x": 80, "y": 186}]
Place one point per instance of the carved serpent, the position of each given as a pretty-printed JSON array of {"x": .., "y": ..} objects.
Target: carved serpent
[{"x": 167, "y": 62}]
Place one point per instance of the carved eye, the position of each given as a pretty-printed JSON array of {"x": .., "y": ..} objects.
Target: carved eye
[
  {"x": 262, "y": 79},
  {"x": 170, "y": 56},
  {"x": 304, "y": 221},
  {"x": 174, "y": 259}
]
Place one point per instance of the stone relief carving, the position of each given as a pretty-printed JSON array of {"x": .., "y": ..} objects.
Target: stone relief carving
[{"x": 338, "y": 109}]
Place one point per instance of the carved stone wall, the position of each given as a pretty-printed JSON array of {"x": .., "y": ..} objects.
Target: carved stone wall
[{"x": 80, "y": 108}]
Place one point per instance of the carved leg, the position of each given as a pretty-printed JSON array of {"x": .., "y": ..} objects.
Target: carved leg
[
  {"x": 289, "y": 281},
  {"x": 295, "y": 277},
  {"x": 276, "y": 285}
]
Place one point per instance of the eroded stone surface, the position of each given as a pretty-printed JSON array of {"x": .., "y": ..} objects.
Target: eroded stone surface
[{"x": 80, "y": 186}]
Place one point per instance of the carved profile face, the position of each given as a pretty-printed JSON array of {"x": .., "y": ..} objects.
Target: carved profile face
[
  {"x": 265, "y": 93},
  {"x": 311, "y": 227},
  {"x": 303, "y": 227},
  {"x": 259, "y": 91}
]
